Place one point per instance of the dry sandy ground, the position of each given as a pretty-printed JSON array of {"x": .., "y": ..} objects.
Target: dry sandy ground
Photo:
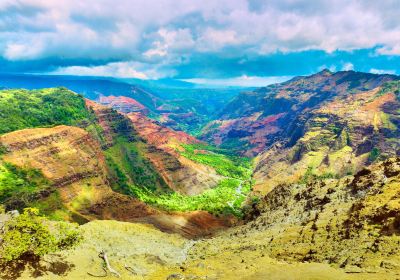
[{"x": 152, "y": 254}]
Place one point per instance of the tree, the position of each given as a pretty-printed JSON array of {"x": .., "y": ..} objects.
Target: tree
[{"x": 31, "y": 234}]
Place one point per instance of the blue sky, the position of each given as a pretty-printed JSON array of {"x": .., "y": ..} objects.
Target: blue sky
[{"x": 238, "y": 42}]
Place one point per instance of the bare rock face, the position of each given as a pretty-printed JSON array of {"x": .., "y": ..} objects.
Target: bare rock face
[
  {"x": 64, "y": 154},
  {"x": 352, "y": 222},
  {"x": 68, "y": 156}
]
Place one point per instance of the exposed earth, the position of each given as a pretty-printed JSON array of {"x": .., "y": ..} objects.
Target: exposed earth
[{"x": 298, "y": 180}]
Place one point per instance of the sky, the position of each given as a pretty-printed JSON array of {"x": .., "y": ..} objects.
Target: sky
[{"x": 238, "y": 42}]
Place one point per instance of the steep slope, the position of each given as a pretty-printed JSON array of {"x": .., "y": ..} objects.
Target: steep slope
[
  {"x": 123, "y": 104},
  {"x": 156, "y": 146},
  {"x": 351, "y": 223},
  {"x": 177, "y": 105},
  {"x": 180, "y": 173},
  {"x": 255, "y": 120},
  {"x": 73, "y": 163},
  {"x": 337, "y": 138},
  {"x": 102, "y": 168}
]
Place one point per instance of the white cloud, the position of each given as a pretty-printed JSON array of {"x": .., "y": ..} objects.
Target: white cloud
[
  {"x": 180, "y": 39},
  {"x": 118, "y": 69},
  {"x": 242, "y": 81},
  {"x": 382, "y": 71},
  {"x": 218, "y": 38},
  {"x": 348, "y": 66},
  {"x": 19, "y": 51},
  {"x": 76, "y": 28},
  {"x": 158, "y": 32}
]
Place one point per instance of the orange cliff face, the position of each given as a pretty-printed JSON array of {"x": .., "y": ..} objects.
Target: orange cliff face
[
  {"x": 123, "y": 104},
  {"x": 181, "y": 174},
  {"x": 74, "y": 163},
  {"x": 158, "y": 135},
  {"x": 160, "y": 145}
]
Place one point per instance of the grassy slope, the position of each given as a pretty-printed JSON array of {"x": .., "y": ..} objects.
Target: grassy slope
[
  {"x": 225, "y": 198},
  {"x": 225, "y": 163},
  {"x": 18, "y": 181},
  {"x": 128, "y": 168},
  {"x": 39, "y": 108},
  {"x": 20, "y": 109}
]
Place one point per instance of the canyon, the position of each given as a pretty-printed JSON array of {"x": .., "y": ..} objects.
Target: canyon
[{"x": 299, "y": 178}]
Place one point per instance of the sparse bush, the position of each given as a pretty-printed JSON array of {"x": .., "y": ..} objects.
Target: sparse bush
[
  {"x": 31, "y": 234},
  {"x": 374, "y": 154}
]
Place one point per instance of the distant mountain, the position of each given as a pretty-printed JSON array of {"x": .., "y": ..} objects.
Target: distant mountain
[
  {"x": 90, "y": 87},
  {"x": 176, "y": 104},
  {"x": 327, "y": 124}
]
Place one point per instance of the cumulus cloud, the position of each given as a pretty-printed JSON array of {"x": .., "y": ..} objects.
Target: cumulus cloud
[{"x": 158, "y": 34}]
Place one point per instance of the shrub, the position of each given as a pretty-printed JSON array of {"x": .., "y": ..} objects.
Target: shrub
[
  {"x": 374, "y": 154},
  {"x": 31, "y": 234}
]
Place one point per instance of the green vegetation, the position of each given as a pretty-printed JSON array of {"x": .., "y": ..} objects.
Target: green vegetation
[
  {"x": 27, "y": 187},
  {"x": 310, "y": 176},
  {"x": 374, "y": 154},
  {"x": 390, "y": 87},
  {"x": 226, "y": 198},
  {"x": 223, "y": 199},
  {"x": 387, "y": 122},
  {"x": 132, "y": 174},
  {"x": 40, "y": 108},
  {"x": 17, "y": 182},
  {"x": 128, "y": 166},
  {"x": 224, "y": 162},
  {"x": 3, "y": 150},
  {"x": 30, "y": 234}
]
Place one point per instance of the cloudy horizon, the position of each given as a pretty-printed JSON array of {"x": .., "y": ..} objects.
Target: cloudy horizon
[{"x": 239, "y": 42}]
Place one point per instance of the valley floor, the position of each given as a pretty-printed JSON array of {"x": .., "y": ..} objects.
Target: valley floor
[{"x": 151, "y": 254}]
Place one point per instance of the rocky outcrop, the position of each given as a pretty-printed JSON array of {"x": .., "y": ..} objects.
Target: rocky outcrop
[{"x": 351, "y": 222}]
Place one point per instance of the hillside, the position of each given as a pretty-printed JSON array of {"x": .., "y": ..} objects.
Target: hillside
[
  {"x": 277, "y": 113},
  {"x": 324, "y": 125},
  {"x": 104, "y": 167},
  {"x": 325, "y": 229},
  {"x": 317, "y": 198},
  {"x": 176, "y": 106}
]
